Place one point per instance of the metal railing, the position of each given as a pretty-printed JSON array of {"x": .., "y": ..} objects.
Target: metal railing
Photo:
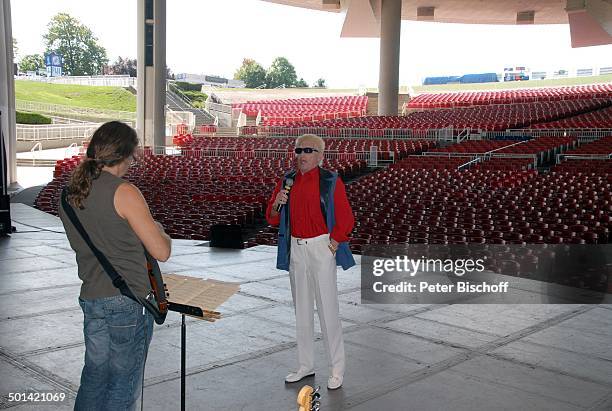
[
  {"x": 550, "y": 132},
  {"x": 560, "y": 157},
  {"x": 67, "y": 120},
  {"x": 37, "y": 148},
  {"x": 356, "y": 133},
  {"x": 72, "y": 150},
  {"x": 27, "y": 132},
  {"x": 242, "y": 120},
  {"x": 446, "y": 134},
  {"x": 463, "y": 135},
  {"x": 186, "y": 100},
  {"x": 236, "y": 113},
  {"x": 33, "y": 106},
  {"x": 222, "y": 108},
  {"x": 233, "y": 152},
  {"x": 475, "y": 158},
  {"x": 470, "y": 163},
  {"x": 451, "y": 154},
  {"x": 505, "y": 147},
  {"x": 269, "y": 153},
  {"x": 179, "y": 93}
]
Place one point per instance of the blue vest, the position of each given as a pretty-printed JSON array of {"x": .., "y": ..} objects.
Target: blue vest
[{"x": 327, "y": 186}]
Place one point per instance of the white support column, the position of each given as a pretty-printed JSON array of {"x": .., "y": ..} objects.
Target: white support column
[
  {"x": 7, "y": 91},
  {"x": 151, "y": 96},
  {"x": 388, "y": 83}
]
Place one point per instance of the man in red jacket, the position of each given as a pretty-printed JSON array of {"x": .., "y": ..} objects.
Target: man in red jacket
[{"x": 312, "y": 260}]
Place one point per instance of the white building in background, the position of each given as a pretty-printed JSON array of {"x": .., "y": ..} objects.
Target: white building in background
[
  {"x": 206, "y": 80},
  {"x": 568, "y": 71}
]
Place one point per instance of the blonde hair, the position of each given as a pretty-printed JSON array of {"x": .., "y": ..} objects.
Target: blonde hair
[{"x": 313, "y": 138}]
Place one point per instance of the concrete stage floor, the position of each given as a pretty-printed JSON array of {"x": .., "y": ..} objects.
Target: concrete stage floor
[{"x": 399, "y": 357}]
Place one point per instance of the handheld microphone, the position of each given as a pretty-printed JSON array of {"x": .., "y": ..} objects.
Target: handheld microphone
[{"x": 288, "y": 184}]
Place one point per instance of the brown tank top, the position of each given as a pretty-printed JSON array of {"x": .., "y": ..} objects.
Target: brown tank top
[{"x": 113, "y": 236}]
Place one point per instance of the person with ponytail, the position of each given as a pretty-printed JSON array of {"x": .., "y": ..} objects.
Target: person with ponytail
[{"x": 116, "y": 217}]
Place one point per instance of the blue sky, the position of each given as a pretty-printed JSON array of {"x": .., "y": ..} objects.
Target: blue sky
[{"x": 212, "y": 37}]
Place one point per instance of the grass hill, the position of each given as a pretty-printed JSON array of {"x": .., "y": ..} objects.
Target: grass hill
[{"x": 107, "y": 98}]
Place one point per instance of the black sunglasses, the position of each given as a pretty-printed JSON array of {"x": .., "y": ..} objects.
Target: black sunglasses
[{"x": 307, "y": 150}]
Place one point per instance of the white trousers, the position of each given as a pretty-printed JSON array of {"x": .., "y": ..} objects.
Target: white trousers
[{"x": 312, "y": 271}]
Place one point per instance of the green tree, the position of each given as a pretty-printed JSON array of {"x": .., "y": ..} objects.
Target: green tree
[
  {"x": 281, "y": 73},
  {"x": 169, "y": 74},
  {"x": 77, "y": 44},
  {"x": 31, "y": 62},
  {"x": 252, "y": 73},
  {"x": 124, "y": 66},
  {"x": 301, "y": 83},
  {"x": 321, "y": 83}
]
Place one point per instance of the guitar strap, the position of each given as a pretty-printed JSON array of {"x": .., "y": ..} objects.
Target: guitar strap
[{"x": 117, "y": 280}]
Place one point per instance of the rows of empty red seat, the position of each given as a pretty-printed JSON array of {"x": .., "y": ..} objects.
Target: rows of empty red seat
[
  {"x": 490, "y": 118},
  {"x": 595, "y": 119},
  {"x": 280, "y": 119},
  {"x": 544, "y": 148},
  {"x": 430, "y": 162},
  {"x": 471, "y": 98},
  {"x": 495, "y": 201},
  {"x": 400, "y": 148},
  {"x": 274, "y": 112},
  {"x": 602, "y": 146},
  {"x": 207, "y": 129},
  {"x": 536, "y": 145},
  {"x": 189, "y": 193},
  {"x": 210, "y": 172},
  {"x": 447, "y": 206},
  {"x": 475, "y": 146},
  {"x": 506, "y": 164},
  {"x": 574, "y": 166}
]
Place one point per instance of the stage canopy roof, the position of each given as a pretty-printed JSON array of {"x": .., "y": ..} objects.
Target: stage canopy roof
[{"x": 590, "y": 21}]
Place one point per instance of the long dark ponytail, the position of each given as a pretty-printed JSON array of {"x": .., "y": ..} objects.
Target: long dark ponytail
[{"x": 110, "y": 144}]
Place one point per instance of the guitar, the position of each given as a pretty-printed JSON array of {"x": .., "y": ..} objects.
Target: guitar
[
  {"x": 308, "y": 399},
  {"x": 159, "y": 307}
]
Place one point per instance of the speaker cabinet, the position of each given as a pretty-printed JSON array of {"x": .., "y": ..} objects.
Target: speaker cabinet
[{"x": 226, "y": 236}]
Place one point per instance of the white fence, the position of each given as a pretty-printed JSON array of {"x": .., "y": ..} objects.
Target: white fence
[
  {"x": 447, "y": 134},
  {"x": 583, "y": 135},
  {"x": 27, "y": 132},
  {"x": 22, "y": 105},
  {"x": 111, "y": 81},
  {"x": 266, "y": 153}
]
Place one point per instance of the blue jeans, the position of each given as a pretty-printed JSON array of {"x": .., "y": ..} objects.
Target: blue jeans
[{"x": 117, "y": 337}]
